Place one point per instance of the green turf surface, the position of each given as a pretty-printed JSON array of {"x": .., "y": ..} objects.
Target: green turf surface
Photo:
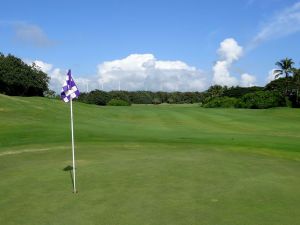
[{"x": 156, "y": 165}]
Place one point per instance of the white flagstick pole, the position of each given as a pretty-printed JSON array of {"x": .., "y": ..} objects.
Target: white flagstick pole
[{"x": 73, "y": 150}]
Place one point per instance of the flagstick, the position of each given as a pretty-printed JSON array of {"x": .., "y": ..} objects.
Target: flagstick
[{"x": 73, "y": 151}]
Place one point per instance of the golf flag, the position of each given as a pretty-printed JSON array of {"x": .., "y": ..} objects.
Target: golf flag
[
  {"x": 68, "y": 92},
  {"x": 69, "y": 89}
]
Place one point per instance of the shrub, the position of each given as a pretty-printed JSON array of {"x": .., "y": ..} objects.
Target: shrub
[
  {"x": 156, "y": 101},
  {"x": 95, "y": 97},
  {"x": 118, "y": 102},
  {"x": 238, "y": 92},
  {"x": 262, "y": 100},
  {"x": 49, "y": 94},
  {"x": 122, "y": 95},
  {"x": 140, "y": 97},
  {"x": 221, "y": 102},
  {"x": 170, "y": 100}
]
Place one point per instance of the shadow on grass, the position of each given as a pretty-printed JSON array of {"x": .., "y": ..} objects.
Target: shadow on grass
[{"x": 70, "y": 169}]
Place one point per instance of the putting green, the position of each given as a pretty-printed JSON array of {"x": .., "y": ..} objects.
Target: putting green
[{"x": 144, "y": 164}]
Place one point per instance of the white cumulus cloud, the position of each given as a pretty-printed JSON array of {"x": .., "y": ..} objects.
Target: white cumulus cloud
[
  {"x": 145, "y": 72},
  {"x": 229, "y": 51},
  {"x": 221, "y": 74}
]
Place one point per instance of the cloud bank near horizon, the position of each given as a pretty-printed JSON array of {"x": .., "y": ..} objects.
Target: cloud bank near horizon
[
  {"x": 146, "y": 72},
  {"x": 132, "y": 73}
]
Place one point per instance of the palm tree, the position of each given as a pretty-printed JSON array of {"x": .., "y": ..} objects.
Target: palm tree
[
  {"x": 285, "y": 68},
  {"x": 216, "y": 91}
]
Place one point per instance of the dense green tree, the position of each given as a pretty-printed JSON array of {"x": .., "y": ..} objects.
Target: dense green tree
[
  {"x": 118, "y": 102},
  {"x": 122, "y": 95},
  {"x": 18, "y": 78},
  {"x": 222, "y": 102},
  {"x": 216, "y": 91},
  {"x": 95, "y": 97},
  {"x": 262, "y": 100},
  {"x": 279, "y": 85},
  {"x": 140, "y": 97},
  {"x": 163, "y": 96},
  {"x": 238, "y": 92},
  {"x": 156, "y": 101}
]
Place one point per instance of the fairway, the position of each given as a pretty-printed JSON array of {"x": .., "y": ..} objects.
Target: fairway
[{"x": 148, "y": 165}]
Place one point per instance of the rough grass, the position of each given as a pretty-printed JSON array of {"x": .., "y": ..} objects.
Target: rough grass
[{"x": 158, "y": 165}]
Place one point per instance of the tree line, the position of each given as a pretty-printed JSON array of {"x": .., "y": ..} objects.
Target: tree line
[
  {"x": 281, "y": 92},
  {"x": 140, "y": 97},
  {"x": 20, "y": 79}
]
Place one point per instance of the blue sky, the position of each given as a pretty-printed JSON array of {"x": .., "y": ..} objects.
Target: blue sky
[{"x": 111, "y": 41}]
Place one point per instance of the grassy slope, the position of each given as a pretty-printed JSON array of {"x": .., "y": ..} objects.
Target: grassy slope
[{"x": 148, "y": 164}]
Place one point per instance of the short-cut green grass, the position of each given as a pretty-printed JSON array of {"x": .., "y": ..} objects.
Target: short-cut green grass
[{"x": 148, "y": 165}]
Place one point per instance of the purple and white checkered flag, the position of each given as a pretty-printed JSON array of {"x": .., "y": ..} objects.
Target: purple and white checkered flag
[{"x": 69, "y": 89}]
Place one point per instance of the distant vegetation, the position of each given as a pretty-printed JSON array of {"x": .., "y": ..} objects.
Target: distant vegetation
[
  {"x": 18, "y": 78},
  {"x": 141, "y": 97},
  {"x": 118, "y": 102},
  {"x": 281, "y": 92},
  {"x": 237, "y": 97}
]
